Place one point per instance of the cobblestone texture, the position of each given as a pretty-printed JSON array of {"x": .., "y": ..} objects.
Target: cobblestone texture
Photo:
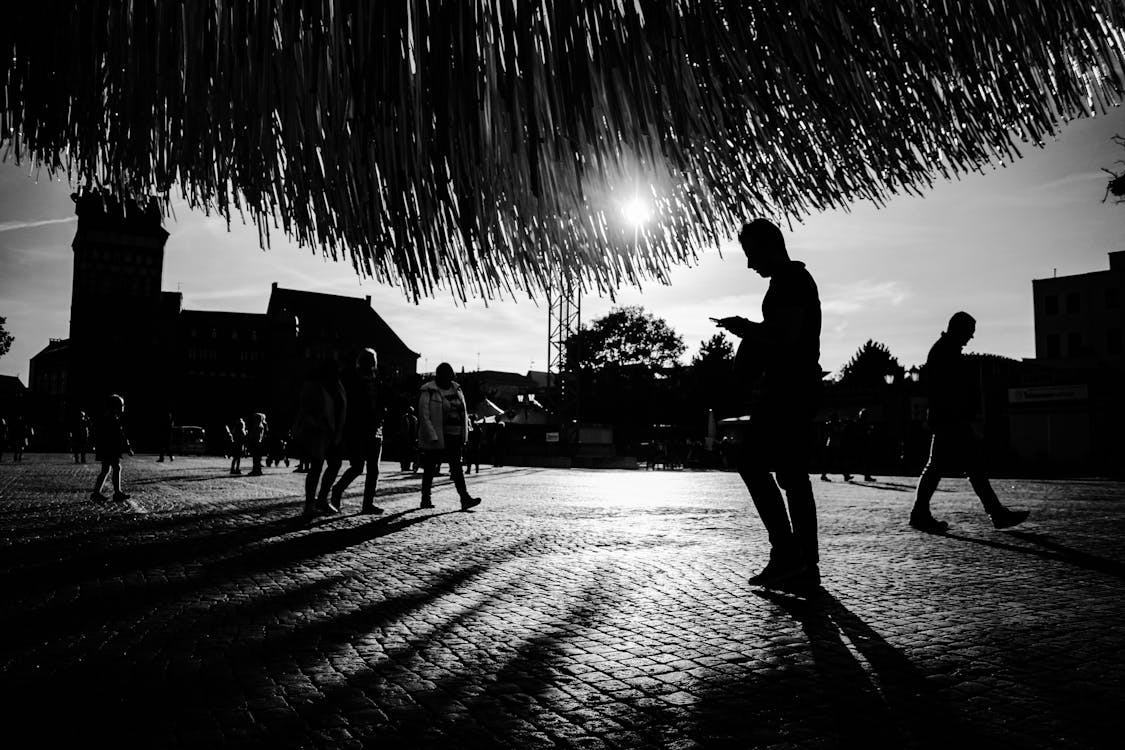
[{"x": 576, "y": 609}]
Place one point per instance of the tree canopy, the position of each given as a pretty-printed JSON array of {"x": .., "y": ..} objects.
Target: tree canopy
[
  {"x": 869, "y": 365},
  {"x": 715, "y": 353},
  {"x": 627, "y": 336},
  {"x": 6, "y": 338},
  {"x": 488, "y": 147}
]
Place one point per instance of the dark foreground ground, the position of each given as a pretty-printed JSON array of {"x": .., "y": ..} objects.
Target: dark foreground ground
[{"x": 572, "y": 609}]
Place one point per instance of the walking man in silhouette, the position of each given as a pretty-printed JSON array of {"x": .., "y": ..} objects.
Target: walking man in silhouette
[
  {"x": 784, "y": 350},
  {"x": 954, "y": 401}
]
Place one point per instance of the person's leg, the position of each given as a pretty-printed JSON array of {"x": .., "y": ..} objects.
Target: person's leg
[
  {"x": 312, "y": 478},
  {"x": 102, "y": 474},
  {"x": 331, "y": 469},
  {"x": 802, "y": 514},
  {"x": 117, "y": 493},
  {"x": 428, "y": 459},
  {"x": 454, "y": 445},
  {"x": 371, "y": 481},
  {"x": 1002, "y": 517},
  {"x": 767, "y": 499},
  {"x": 355, "y": 468},
  {"x": 920, "y": 515}
]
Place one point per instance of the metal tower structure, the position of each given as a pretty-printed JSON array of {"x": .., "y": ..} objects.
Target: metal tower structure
[{"x": 564, "y": 318}]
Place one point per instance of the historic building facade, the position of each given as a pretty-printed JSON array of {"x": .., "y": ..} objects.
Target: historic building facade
[{"x": 206, "y": 368}]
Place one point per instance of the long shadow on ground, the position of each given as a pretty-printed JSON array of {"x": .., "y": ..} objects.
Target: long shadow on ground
[
  {"x": 876, "y": 699},
  {"x": 1049, "y": 549}
]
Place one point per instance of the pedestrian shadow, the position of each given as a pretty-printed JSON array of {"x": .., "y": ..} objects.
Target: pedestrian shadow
[
  {"x": 1052, "y": 550},
  {"x": 858, "y": 692},
  {"x": 890, "y": 486},
  {"x": 482, "y": 699},
  {"x": 91, "y": 555},
  {"x": 323, "y": 538}
]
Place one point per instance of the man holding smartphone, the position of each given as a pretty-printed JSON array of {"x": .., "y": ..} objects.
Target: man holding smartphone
[{"x": 785, "y": 349}]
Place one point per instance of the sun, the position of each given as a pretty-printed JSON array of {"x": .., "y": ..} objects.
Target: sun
[{"x": 636, "y": 211}]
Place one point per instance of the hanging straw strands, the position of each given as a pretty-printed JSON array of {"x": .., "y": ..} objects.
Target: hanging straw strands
[{"x": 483, "y": 146}]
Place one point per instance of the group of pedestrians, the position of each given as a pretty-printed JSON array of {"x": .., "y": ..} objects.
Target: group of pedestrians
[
  {"x": 848, "y": 443},
  {"x": 783, "y": 352},
  {"x": 15, "y": 433},
  {"x": 341, "y": 418}
]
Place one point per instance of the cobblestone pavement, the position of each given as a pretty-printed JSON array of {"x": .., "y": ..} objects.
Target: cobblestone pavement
[{"x": 573, "y": 608}]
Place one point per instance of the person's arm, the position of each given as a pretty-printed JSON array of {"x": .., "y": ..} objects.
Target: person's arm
[{"x": 427, "y": 431}]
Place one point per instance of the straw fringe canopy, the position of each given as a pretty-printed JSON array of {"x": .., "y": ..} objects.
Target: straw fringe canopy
[{"x": 485, "y": 146}]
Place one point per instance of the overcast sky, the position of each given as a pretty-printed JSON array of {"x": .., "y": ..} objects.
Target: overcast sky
[{"x": 894, "y": 274}]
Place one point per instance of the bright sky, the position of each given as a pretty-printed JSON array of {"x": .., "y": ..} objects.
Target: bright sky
[{"x": 894, "y": 274}]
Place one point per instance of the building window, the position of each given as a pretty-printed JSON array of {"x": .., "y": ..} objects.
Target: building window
[
  {"x": 1073, "y": 303},
  {"x": 1113, "y": 342},
  {"x": 1074, "y": 344},
  {"x": 1112, "y": 298},
  {"x": 1052, "y": 346},
  {"x": 1051, "y": 304}
]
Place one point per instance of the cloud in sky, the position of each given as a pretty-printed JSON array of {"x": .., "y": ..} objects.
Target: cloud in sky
[
  {"x": 11, "y": 226},
  {"x": 847, "y": 299}
]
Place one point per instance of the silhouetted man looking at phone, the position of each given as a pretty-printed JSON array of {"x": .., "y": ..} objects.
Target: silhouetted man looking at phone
[{"x": 785, "y": 350}]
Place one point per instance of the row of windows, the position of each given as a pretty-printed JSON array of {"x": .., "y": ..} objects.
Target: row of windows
[
  {"x": 117, "y": 256},
  {"x": 213, "y": 333},
  {"x": 1072, "y": 302},
  {"x": 197, "y": 354},
  {"x": 1076, "y": 346}
]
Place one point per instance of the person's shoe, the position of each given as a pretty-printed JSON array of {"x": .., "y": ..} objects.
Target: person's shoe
[
  {"x": 371, "y": 510},
  {"x": 235, "y": 471},
  {"x": 97, "y": 497},
  {"x": 121, "y": 496},
  {"x": 928, "y": 524},
  {"x": 847, "y": 477},
  {"x": 1005, "y": 519},
  {"x": 469, "y": 502},
  {"x": 778, "y": 570},
  {"x": 160, "y": 460},
  {"x": 802, "y": 583},
  {"x": 824, "y": 478},
  {"x": 868, "y": 478},
  {"x": 255, "y": 473},
  {"x": 426, "y": 505}
]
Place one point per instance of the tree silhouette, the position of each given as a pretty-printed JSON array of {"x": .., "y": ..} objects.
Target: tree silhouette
[
  {"x": 869, "y": 365},
  {"x": 626, "y": 336},
  {"x": 714, "y": 353},
  {"x": 6, "y": 338}
]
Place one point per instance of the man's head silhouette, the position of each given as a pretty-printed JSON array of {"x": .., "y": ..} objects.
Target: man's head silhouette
[
  {"x": 962, "y": 327},
  {"x": 764, "y": 246}
]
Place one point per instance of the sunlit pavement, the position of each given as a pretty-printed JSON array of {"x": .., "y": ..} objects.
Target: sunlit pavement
[{"x": 572, "y": 608}]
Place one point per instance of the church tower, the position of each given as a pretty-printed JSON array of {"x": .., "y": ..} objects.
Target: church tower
[{"x": 115, "y": 311}]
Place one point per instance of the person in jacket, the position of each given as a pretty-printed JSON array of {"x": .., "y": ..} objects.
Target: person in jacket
[
  {"x": 363, "y": 433},
  {"x": 443, "y": 425},
  {"x": 954, "y": 401},
  {"x": 318, "y": 429},
  {"x": 111, "y": 445}
]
